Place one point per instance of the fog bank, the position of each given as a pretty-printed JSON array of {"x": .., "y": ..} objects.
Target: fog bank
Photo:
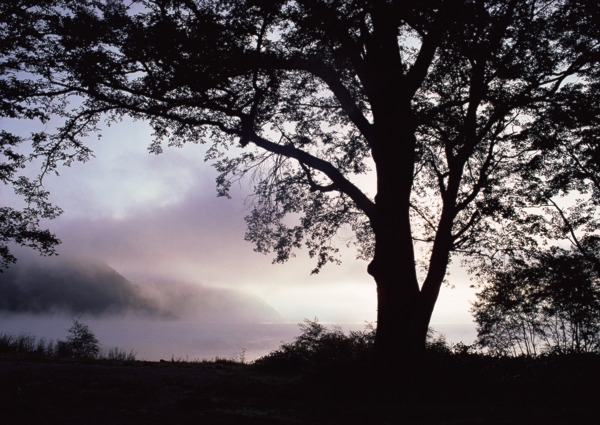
[{"x": 75, "y": 287}]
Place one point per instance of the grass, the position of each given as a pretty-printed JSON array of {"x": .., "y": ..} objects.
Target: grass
[{"x": 322, "y": 377}]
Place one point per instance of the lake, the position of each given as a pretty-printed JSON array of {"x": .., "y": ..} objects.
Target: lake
[{"x": 153, "y": 339}]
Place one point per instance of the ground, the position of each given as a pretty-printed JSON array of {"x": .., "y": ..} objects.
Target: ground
[{"x": 44, "y": 392}]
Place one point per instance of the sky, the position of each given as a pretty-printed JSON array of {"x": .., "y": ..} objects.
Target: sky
[{"x": 156, "y": 222}]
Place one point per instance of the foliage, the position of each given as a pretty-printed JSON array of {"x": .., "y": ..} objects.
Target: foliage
[
  {"x": 446, "y": 103},
  {"x": 549, "y": 305},
  {"x": 318, "y": 348},
  {"x": 26, "y": 345},
  {"x": 22, "y": 225},
  {"x": 436, "y": 343},
  {"x": 82, "y": 342}
]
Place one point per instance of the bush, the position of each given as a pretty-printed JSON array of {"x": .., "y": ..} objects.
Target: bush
[
  {"x": 436, "y": 343},
  {"x": 548, "y": 304},
  {"x": 318, "y": 348},
  {"x": 81, "y": 343}
]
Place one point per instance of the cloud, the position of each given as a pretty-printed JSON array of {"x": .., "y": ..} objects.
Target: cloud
[
  {"x": 198, "y": 239},
  {"x": 123, "y": 175},
  {"x": 149, "y": 215},
  {"x": 199, "y": 235}
]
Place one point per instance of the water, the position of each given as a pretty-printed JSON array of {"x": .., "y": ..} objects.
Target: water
[{"x": 187, "y": 340}]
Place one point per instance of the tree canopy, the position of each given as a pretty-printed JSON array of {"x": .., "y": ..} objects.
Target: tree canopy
[{"x": 454, "y": 106}]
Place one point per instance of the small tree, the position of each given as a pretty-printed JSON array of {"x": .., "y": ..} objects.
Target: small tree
[
  {"x": 81, "y": 342},
  {"x": 506, "y": 315},
  {"x": 551, "y": 305}
]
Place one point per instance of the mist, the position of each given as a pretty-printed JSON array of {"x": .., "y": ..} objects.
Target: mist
[
  {"x": 157, "y": 317},
  {"x": 38, "y": 285},
  {"x": 162, "y": 316},
  {"x": 76, "y": 287}
]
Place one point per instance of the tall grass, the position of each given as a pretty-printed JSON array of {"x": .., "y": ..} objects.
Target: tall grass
[{"x": 120, "y": 355}]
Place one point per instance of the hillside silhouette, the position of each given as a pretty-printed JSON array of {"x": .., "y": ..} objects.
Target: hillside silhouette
[{"x": 83, "y": 286}]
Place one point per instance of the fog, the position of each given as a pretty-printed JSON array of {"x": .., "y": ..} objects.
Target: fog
[
  {"x": 156, "y": 317},
  {"x": 84, "y": 286},
  {"x": 154, "y": 339},
  {"x": 74, "y": 287}
]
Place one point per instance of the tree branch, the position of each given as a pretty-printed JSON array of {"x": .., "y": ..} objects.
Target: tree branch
[
  {"x": 592, "y": 258},
  {"x": 314, "y": 186},
  {"x": 334, "y": 82},
  {"x": 342, "y": 184}
]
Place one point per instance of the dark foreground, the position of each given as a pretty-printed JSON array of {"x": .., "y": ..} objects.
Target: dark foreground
[{"x": 473, "y": 391}]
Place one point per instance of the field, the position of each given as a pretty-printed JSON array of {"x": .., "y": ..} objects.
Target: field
[{"x": 453, "y": 389}]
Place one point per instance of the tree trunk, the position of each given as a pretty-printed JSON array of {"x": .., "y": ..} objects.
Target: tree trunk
[
  {"x": 404, "y": 308},
  {"x": 402, "y": 316},
  {"x": 400, "y": 338},
  {"x": 401, "y": 330}
]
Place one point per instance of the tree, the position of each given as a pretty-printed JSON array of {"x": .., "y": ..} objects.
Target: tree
[
  {"x": 22, "y": 226},
  {"x": 81, "y": 342},
  {"x": 437, "y": 98},
  {"x": 508, "y": 314},
  {"x": 551, "y": 304},
  {"x": 564, "y": 176}
]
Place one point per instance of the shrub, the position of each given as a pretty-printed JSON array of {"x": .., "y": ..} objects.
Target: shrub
[
  {"x": 6, "y": 343},
  {"x": 81, "y": 343},
  {"x": 318, "y": 348},
  {"x": 549, "y": 304}
]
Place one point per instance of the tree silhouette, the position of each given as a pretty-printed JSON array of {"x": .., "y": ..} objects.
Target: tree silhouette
[
  {"x": 550, "y": 304},
  {"x": 81, "y": 342},
  {"x": 21, "y": 226},
  {"x": 442, "y": 101}
]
